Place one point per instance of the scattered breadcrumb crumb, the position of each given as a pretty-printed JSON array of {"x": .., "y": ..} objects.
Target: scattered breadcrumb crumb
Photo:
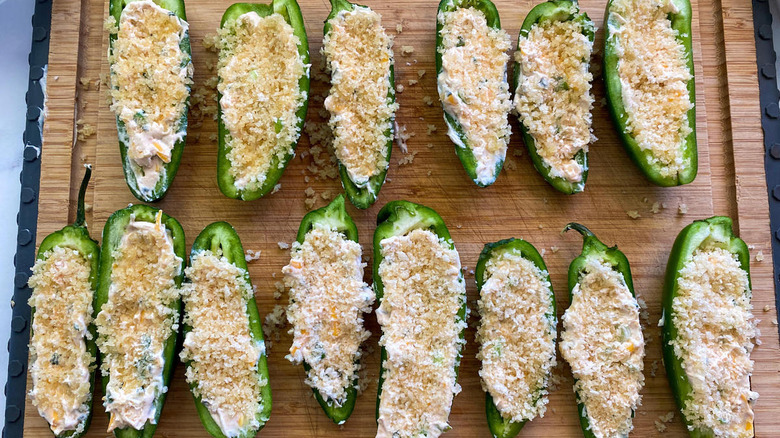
[
  {"x": 431, "y": 129},
  {"x": 420, "y": 73},
  {"x": 653, "y": 368},
  {"x": 682, "y": 209},
  {"x": 429, "y": 145},
  {"x": 401, "y": 136},
  {"x": 633, "y": 214},
  {"x": 407, "y": 158},
  {"x": 554, "y": 249},
  {"x": 774, "y": 322},
  {"x": 412, "y": 82},
  {"x": 85, "y": 83},
  {"x": 210, "y": 41},
  {"x": 399, "y": 88},
  {"x": 407, "y": 50},
  {"x": 660, "y": 423},
  {"x": 276, "y": 188},
  {"x": 760, "y": 256},
  {"x": 399, "y": 28},
  {"x": 84, "y": 130},
  {"x": 274, "y": 321},
  {"x": 251, "y": 255},
  {"x": 283, "y": 245},
  {"x": 428, "y": 100},
  {"x": 767, "y": 308},
  {"x": 656, "y": 208}
]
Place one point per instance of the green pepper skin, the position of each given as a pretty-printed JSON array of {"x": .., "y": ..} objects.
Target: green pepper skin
[
  {"x": 115, "y": 8},
  {"x": 593, "y": 247},
  {"x": 499, "y": 426},
  {"x": 366, "y": 196},
  {"x": 398, "y": 218},
  {"x": 112, "y": 237},
  {"x": 455, "y": 129},
  {"x": 221, "y": 238},
  {"x": 558, "y": 10},
  {"x": 718, "y": 230},
  {"x": 336, "y": 217},
  {"x": 77, "y": 237},
  {"x": 681, "y": 22},
  {"x": 291, "y": 12}
]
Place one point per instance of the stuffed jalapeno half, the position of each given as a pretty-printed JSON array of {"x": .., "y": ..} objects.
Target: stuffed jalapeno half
[
  {"x": 602, "y": 338},
  {"x": 422, "y": 312},
  {"x": 517, "y": 333},
  {"x": 648, "y": 73},
  {"x": 471, "y": 62},
  {"x": 361, "y": 102},
  {"x": 327, "y": 301},
  {"x": 62, "y": 337},
  {"x": 263, "y": 72},
  {"x": 138, "y": 303},
  {"x": 223, "y": 347},
  {"x": 709, "y": 329},
  {"x": 553, "y": 98},
  {"x": 151, "y": 75}
]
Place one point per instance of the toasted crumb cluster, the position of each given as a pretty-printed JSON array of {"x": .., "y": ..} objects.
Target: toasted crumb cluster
[
  {"x": 516, "y": 335},
  {"x": 553, "y": 97},
  {"x": 359, "y": 55},
  {"x": 423, "y": 293},
  {"x": 259, "y": 68},
  {"x": 473, "y": 87},
  {"x": 150, "y": 84},
  {"x": 327, "y": 301},
  {"x": 715, "y": 332},
  {"x": 654, "y": 78},
  {"x": 603, "y": 343},
  {"x": 220, "y": 349},
  {"x": 135, "y": 322},
  {"x": 60, "y": 365}
]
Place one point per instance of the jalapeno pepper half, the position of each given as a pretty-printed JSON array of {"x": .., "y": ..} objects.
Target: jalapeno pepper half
[
  {"x": 593, "y": 247},
  {"x": 397, "y": 218},
  {"x": 455, "y": 130},
  {"x": 336, "y": 217},
  {"x": 291, "y": 12},
  {"x": 112, "y": 237},
  {"x": 499, "y": 426},
  {"x": 77, "y": 237},
  {"x": 681, "y": 24},
  {"x": 221, "y": 238},
  {"x": 557, "y": 10},
  {"x": 715, "y": 230},
  {"x": 168, "y": 170},
  {"x": 365, "y": 195}
]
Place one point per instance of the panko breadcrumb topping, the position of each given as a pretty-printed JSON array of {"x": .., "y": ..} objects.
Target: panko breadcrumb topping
[
  {"x": 327, "y": 301},
  {"x": 359, "y": 56},
  {"x": 517, "y": 335},
  {"x": 150, "y": 84},
  {"x": 473, "y": 87},
  {"x": 603, "y": 343},
  {"x": 423, "y": 293},
  {"x": 654, "y": 79},
  {"x": 136, "y": 321},
  {"x": 60, "y": 365},
  {"x": 553, "y": 97},
  {"x": 259, "y": 68},
  {"x": 715, "y": 331},
  {"x": 220, "y": 349}
]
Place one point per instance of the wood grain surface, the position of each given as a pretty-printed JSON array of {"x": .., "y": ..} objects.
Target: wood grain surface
[{"x": 520, "y": 204}]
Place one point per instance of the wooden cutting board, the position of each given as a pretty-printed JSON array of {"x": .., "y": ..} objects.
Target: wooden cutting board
[{"x": 730, "y": 182}]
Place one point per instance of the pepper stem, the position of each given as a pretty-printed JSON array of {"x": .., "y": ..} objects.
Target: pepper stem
[
  {"x": 80, "y": 213},
  {"x": 582, "y": 229}
]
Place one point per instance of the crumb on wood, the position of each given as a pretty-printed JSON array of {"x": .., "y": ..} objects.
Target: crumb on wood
[
  {"x": 633, "y": 214},
  {"x": 407, "y": 50},
  {"x": 412, "y": 82},
  {"x": 84, "y": 130},
  {"x": 283, "y": 245},
  {"x": 399, "y": 28},
  {"x": 760, "y": 256},
  {"x": 399, "y": 88},
  {"x": 428, "y": 100},
  {"x": 252, "y": 255},
  {"x": 682, "y": 209},
  {"x": 420, "y": 73},
  {"x": 407, "y": 158}
]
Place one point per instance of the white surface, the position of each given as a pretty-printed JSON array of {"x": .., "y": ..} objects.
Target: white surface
[{"x": 15, "y": 39}]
